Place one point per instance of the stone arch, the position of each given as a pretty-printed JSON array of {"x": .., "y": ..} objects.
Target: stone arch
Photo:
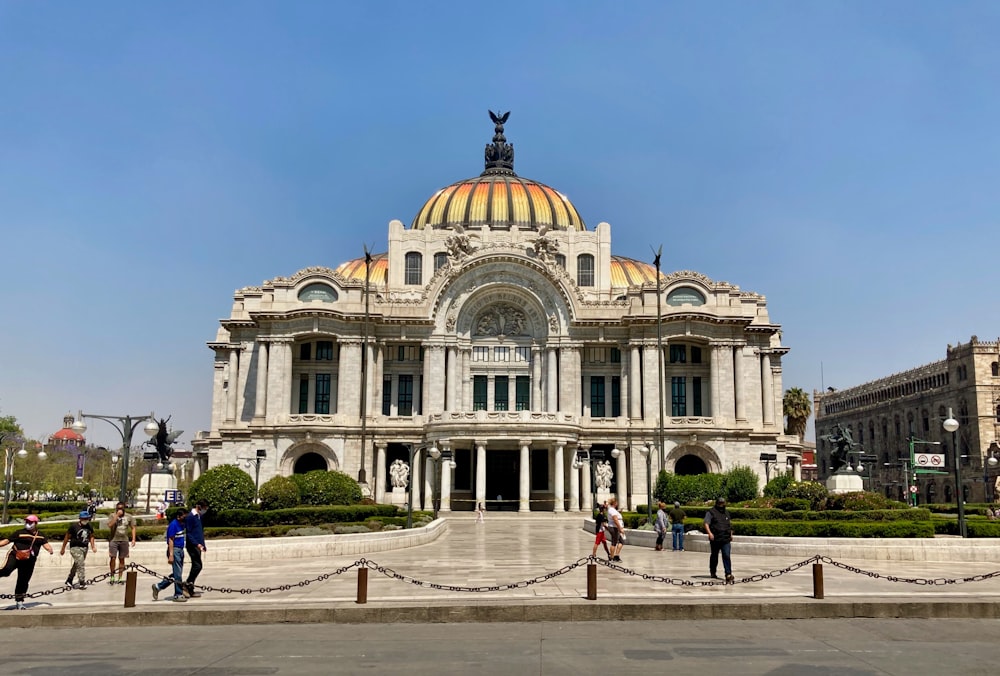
[
  {"x": 307, "y": 452},
  {"x": 690, "y": 453},
  {"x": 690, "y": 464}
]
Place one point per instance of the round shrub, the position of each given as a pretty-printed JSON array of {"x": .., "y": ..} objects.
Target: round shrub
[
  {"x": 812, "y": 491},
  {"x": 741, "y": 484},
  {"x": 861, "y": 500},
  {"x": 279, "y": 493},
  {"x": 224, "y": 487},
  {"x": 320, "y": 487},
  {"x": 778, "y": 486},
  {"x": 688, "y": 489}
]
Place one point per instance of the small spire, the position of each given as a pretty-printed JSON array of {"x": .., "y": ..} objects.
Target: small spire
[{"x": 499, "y": 154}]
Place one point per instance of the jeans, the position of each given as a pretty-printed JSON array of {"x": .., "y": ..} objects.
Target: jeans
[
  {"x": 713, "y": 559},
  {"x": 678, "y": 530},
  {"x": 195, "y": 555},
  {"x": 178, "y": 573}
]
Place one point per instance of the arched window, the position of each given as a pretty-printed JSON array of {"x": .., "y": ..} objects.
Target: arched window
[
  {"x": 585, "y": 270},
  {"x": 414, "y": 263},
  {"x": 685, "y": 295},
  {"x": 995, "y": 367},
  {"x": 317, "y": 291},
  {"x": 998, "y": 414},
  {"x": 440, "y": 260}
]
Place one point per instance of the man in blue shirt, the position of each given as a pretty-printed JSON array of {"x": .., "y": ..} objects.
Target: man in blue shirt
[
  {"x": 175, "y": 557},
  {"x": 195, "y": 545}
]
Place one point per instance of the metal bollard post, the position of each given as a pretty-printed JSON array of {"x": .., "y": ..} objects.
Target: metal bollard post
[
  {"x": 591, "y": 581},
  {"x": 131, "y": 578},
  {"x": 817, "y": 580},
  {"x": 362, "y": 585}
]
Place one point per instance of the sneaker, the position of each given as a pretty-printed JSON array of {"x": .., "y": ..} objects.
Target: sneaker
[
  {"x": 156, "y": 593},
  {"x": 111, "y": 580},
  {"x": 178, "y": 599},
  {"x": 714, "y": 576},
  {"x": 69, "y": 584},
  {"x": 20, "y": 606},
  {"x": 195, "y": 594},
  {"x": 186, "y": 591},
  {"x": 730, "y": 579}
]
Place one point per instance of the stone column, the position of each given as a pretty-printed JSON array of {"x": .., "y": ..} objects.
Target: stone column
[
  {"x": 574, "y": 487},
  {"x": 621, "y": 470},
  {"x": 232, "y": 391},
  {"x": 425, "y": 380},
  {"x": 278, "y": 380},
  {"x": 260, "y": 400},
  {"x": 650, "y": 392},
  {"x": 585, "y": 495},
  {"x": 452, "y": 366},
  {"x": 379, "y": 478},
  {"x": 570, "y": 361},
  {"x": 415, "y": 478},
  {"x": 715, "y": 355},
  {"x": 559, "y": 483},
  {"x": 767, "y": 389},
  {"x": 445, "y": 486},
  {"x": 349, "y": 379},
  {"x": 465, "y": 404},
  {"x": 634, "y": 383},
  {"x": 536, "y": 380},
  {"x": 428, "y": 501},
  {"x": 480, "y": 470},
  {"x": 524, "y": 483},
  {"x": 551, "y": 381},
  {"x": 741, "y": 409},
  {"x": 797, "y": 469}
]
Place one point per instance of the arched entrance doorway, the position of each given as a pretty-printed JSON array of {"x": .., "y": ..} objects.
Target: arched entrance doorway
[
  {"x": 309, "y": 462},
  {"x": 690, "y": 464}
]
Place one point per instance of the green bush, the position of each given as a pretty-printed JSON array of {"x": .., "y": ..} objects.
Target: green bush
[
  {"x": 321, "y": 487},
  {"x": 861, "y": 500},
  {"x": 812, "y": 491},
  {"x": 688, "y": 489},
  {"x": 20, "y": 507},
  {"x": 299, "y": 516},
  {"x": 224, "y": 487},
  {"x": 279, "y": 492},
  {"x": 791, "y": 504},
  {"x": 778, "y": 486},
  {"x": 838, "y": 529},
  {"x": 740, "y": 483}
]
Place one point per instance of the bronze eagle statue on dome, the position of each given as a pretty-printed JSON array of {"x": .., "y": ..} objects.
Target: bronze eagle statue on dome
[{"x": 499, "y": 119}]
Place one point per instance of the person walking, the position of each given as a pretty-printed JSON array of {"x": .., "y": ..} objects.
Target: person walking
[
  {"x": 480, "y": 512},
  {"x": 119, "y": 542},
  {"x": 195, "y": 545},
  {"x": 21, "y": 557},
  {"x": 660, "y": 526},
  {"x": 175, "y": 557},
  {"x": 720, "y": 537},
  {"x": 677, "y": 516},
  {"x": 600, "y": 520},
  {"x": 79, "y": 537},
  {"x": 616, "y": 529}
]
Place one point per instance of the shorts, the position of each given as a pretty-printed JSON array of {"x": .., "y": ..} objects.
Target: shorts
[
  {"x": 616, "y": 536},
  {"x": 600, "y": 537},
  {"x": 118, "y": 549}
]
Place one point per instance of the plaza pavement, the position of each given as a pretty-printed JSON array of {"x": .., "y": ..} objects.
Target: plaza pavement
[{"x": 503, "y": 550}]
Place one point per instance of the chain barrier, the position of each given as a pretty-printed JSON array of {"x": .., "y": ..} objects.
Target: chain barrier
[{"x": 521, "y": 584}]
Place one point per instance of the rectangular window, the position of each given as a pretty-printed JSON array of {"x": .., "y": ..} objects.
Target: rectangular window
[
  {"x": 480, "y": 354},
  {"x": 501, "y": 354},
  {"x": 522, "y": 394},
  {"x": 696, "y": 395},
  {"x": 616, "y": 355},
  {"x": 404, "y": 401},
  {"x": 440, "y": 260},
  {"x": 616, "y": 396},
  {"x": 387, "y": 395},
  {"x": 479, "y": 385},
  {"x": 401, "y": 353},
  {"x": 305, "y": 351},
  {"x": 695, "y": 355},
  {"x": 522, "y": 354},
  {"x": 678, "y": 396},
  {"x": 463, "y": 469},
  {"x": 596, "y": 355},
  {"x": 678, "y": 354},
  {"x": 322, "y": 393},
  {"x": 539, "y": 469},
  {"x": 303, "y": 394},
  {"x": 597, "y": 396},
  {"x": 324, "y": 350},
  {"x": 500, "y": 393},
  {"x": 413, "y": 262}
]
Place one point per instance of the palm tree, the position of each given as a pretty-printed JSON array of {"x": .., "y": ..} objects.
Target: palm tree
[{"x": 797, "y": 409}]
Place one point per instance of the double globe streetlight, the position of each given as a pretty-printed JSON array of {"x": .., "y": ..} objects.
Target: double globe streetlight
[
  {"x": 125, "y": 425},
  {"x": 951, "y": 425}
]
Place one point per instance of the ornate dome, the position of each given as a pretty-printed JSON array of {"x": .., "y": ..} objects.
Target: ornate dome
[
  {"x": 378, "y": 271},
  {"x": 498, "y": 197},
  {"x": 630, "y": 272}
]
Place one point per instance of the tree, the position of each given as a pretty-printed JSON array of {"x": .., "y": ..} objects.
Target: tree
[
  {"x": 10, "y": 431},
  {"x": 797, "y": 409}
]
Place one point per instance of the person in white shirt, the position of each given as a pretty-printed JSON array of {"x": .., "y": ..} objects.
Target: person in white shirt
[{"x": 616, "y": 529}]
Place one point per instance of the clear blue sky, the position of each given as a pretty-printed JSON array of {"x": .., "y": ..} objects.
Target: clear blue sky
[{"x": 840, "y": 158}]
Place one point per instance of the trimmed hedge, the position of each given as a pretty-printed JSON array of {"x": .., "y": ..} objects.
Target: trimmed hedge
[
  {"x": 322, "y": 487},
  {"x": 836, "y": 529},
  {"x": 297, "y": 516},
  {"x": 20, "y": 507}
]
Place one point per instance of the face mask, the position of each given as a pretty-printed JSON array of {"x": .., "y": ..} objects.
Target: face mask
[
  {"x": 30, "y": 526},
  {"x": 721, "y": 508}
]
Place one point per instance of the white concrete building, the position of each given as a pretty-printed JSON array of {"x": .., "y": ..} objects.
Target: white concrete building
[{"x": 500, "y": 333}]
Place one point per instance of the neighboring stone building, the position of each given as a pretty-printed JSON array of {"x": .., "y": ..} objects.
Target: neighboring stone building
[
  {"x": 884, "y": 414},
  {"x": 504, "y": 337}
]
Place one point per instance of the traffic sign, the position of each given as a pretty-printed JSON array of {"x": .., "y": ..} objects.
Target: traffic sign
[
  {"x": 933, "y": 460},
  {"x": 913, "y": 489}
]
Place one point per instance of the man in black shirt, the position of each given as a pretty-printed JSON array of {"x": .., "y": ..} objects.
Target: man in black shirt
[
  {"x": 79, "y": 537},
  {"x": 720, "y": 538}
]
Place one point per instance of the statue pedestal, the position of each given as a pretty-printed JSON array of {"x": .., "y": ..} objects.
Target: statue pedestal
[
  {"x": 398, "y": 496},
  {"x": 844, "y": 482},
  {"x": 154, "y": 486},
  {"x": 603, "y": 495}
]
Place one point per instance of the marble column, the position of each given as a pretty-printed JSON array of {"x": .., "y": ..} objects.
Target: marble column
[
  {"x": 621, "y": 486},
  {"x": 559, "y": 483},
  {"x": 379, "y": 478},
  {"x": 767, "y": 391},
  {"x": 349, "y": 379},
  {"x": 415, "y": 477},
  {"x": 574, "y": 487},
  {"x": 586, "y": 497},
  {"x": 279, "y": 376},
  {"x": 260, "y": 399},
  {"x": 232, "y": 390},
  {"x": 634, "y": 383},
  {"x": 428, "y": 501},
  {"x": 480, "y": 471},
  {"x": 524, "y": 482},
  {"x": 551, "y": 381},
  {"x": 445, "y": 485},
  {"x": 452, "y": 366},
  {"x": 716, "y": 354},
  {"x": 741, "y": 409},
  {"x": 536, "y": 380}
]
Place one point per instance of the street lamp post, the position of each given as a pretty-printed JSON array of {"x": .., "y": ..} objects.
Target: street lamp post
[
  {"x": 8, "y": 472},
  {"x": 255, "y": 462},
  {"x": 769, "y": 460},
  {"x": 125, "y": 425},
  {"x": 659, "y": 361},
  {"x": 644, "y": 450},
  {"x": 951, "y": 425},
  {"x": 992, "y": 460}
]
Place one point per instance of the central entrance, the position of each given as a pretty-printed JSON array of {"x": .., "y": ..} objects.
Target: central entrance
[{"x": 502, "y": 480}]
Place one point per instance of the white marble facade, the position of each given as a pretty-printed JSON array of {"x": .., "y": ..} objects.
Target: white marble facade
[{"x": 509, "y": 348}]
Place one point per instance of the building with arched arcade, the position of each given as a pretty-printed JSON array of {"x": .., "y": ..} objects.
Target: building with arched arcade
[{"x": 501, "y": 340}]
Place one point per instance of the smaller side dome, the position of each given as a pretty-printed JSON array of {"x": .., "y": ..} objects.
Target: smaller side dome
[
  {"x": 627, "y": 272},
  {"x": 355, "y": 269}
]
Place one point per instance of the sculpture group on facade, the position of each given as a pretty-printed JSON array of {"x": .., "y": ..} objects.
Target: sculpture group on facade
[
  {"x": 603, "y": 474},
  {"x": 399, "y": 474}
]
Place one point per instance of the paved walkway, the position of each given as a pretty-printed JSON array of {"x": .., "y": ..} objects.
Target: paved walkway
[{"x": 507, "y": 550}]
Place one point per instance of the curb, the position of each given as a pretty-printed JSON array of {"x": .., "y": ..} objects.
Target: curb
[{"x": 511, "y": 612}]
